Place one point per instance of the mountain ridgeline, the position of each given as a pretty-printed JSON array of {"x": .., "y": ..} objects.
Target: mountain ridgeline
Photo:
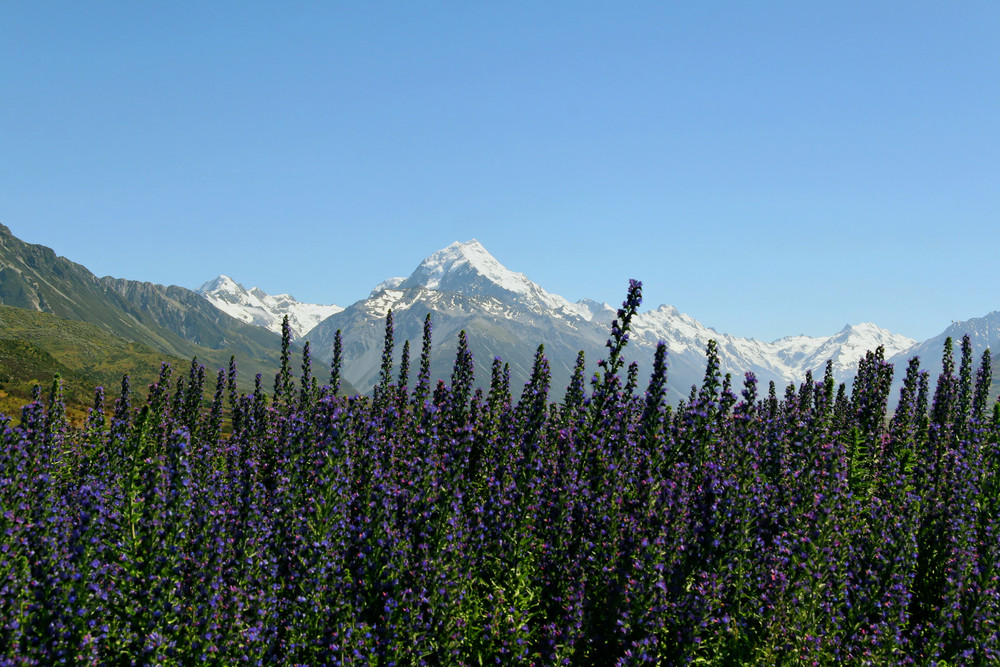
[
  {"x": 255, "y": 306},
  {"x": 504, "y": 314},
  {"x": 463, "y": 288}
]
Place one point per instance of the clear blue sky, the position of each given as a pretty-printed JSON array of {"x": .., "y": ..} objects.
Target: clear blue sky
[{"x": 769, "y": 168}]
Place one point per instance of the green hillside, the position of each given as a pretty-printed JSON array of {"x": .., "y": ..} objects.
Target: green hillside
[
  {"x": 174, "y": 321},
  {"x": 35, "y": 346}
]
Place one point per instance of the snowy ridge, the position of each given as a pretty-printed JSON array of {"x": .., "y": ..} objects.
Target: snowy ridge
[
  {"x": 845, "y": 348},
  {"x": 439, "y": 270},
  {"x": 787, "y": 359},
  {"x": 391, "y": 283},
  {"x": 255, "y": 306}
]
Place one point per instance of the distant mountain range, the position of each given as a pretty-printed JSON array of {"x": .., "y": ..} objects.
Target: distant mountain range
[
  {"x": 462, "y": 287},
  {"x": 505, "y": 314}
]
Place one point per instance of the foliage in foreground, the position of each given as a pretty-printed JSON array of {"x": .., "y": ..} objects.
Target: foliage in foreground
[{"x": 442, "y": 525}]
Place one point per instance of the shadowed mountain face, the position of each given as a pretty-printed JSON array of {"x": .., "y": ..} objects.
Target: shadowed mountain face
[
  {"x": 172, "y": 320},
  {"x": 983, "y": 333},
  {"x": 494, "y": 329}
]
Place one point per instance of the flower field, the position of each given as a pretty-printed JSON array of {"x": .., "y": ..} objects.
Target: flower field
[{"x": 448, "y": 525}]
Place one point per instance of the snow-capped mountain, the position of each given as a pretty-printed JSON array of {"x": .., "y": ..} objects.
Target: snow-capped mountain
[
  {"x": 465, "y": 288},
  {"x": 470, "y": 269},
  {"x": 983, "y": 332},
  {"x": 505, "y": 314},
  {"x": 389, "y": 283},
  {"x": 258, "y": 307},
  {"x": 784, "y": 360},
  {"x": 845, "y": 348}
]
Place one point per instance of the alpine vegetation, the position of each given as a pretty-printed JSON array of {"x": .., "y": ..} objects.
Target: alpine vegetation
[{"x": 434, "y": 523}]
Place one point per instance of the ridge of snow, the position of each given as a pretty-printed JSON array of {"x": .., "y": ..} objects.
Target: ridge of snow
[
  {"x": 255, "y": 306},
  {"x": 789, "y": 358},
  {"x": 472, "y": 257},
  {"x": 470, "y": 269},
  {"x": 222, "y": 283},
  {"x": 464, "y": 278}
]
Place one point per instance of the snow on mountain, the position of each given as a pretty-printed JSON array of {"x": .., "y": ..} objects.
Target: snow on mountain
[
  {"x": 258, "y": 307},
  {"x": 594, "y": 310},
  {"x": 983, "y": 332},
  {"x": 464, "y": 287},
  {"x": 786, "y": 359},
  {"x": 845, "y": 348},
  {"x": 460, "y": 264},
  {"x": 504, "y": 313},
  {"x": 391, "y": 283},
  {"x": 471, "y": 269}
]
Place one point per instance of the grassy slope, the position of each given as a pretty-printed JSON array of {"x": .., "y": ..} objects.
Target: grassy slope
[
  {"x": 174, "y": 321},
  {"x": 35, "y": 346}
]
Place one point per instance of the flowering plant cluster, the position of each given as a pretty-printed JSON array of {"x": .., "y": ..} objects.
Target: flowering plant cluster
[{"x": 452, "y": 525}]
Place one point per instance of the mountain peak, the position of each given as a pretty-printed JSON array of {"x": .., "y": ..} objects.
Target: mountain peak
[
  {"x": 461, "y": 264},
  {"x": 221, "y": 284},
  {"x": 255, "y": 306},
  {"x": 874, "y": 335},
  {"x": 387, "y": 284},
  {"x": 469, "y": 269}
]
